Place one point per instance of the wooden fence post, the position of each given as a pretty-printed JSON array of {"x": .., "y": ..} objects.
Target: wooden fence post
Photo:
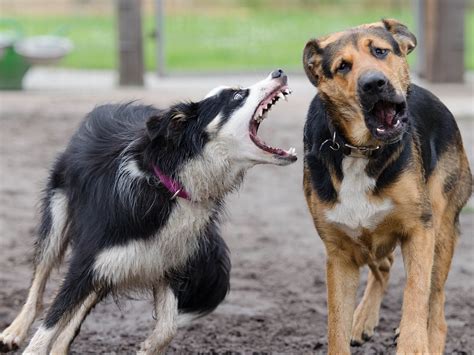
[
  {"x": 160, "y": 37},
  {"x": 443, "y": 40},
  {"x": 131, "y": 66}
]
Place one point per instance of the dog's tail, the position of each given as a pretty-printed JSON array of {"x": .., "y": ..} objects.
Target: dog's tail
[{"x": 204, "y": 282}]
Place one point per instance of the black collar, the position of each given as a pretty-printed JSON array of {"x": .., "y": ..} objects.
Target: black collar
[{"x": 338, "y": 143}]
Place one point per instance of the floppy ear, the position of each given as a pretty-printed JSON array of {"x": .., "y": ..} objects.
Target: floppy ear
[
  {"x": 311, "y": 61},
  {"x": 170, "y": 124},
  {"x": 405, "y": 39}
]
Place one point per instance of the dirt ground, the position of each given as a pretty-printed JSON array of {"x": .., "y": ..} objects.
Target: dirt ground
[{"x": 278, "y": 298}]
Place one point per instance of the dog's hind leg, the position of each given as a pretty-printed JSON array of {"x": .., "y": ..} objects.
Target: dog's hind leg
[
  {"x": 77, "y": 290},
  {"x": 166, "y": 307},
  {"x": 366, "y": 315},
  {"x": 50, "y": 248},
  {"x": 67, "y": 335}
]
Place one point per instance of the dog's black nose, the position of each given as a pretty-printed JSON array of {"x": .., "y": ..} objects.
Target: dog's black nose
[
  {"x": 277, "y": 73},
  {"x": 372, "y": 82}
]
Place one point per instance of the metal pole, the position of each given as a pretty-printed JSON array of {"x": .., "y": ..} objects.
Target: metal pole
[{"x": 160, "y": 38}]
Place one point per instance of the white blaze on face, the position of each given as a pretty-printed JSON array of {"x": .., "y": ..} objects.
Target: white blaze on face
[{"x": 236, "y": 128}]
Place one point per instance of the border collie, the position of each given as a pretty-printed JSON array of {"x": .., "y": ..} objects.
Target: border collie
[{"x": 137, "y": 195}]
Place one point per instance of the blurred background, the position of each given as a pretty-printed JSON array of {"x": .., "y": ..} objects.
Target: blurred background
[
  {"x": 61, "y": 58},
  {"x": 224, "y": 36}
]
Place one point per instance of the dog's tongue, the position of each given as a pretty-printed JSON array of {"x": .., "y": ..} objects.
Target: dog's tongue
[{"x": 385, "y": 112}]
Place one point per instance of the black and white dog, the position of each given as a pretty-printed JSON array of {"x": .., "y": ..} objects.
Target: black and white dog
[{"x": 137, "y": 196}]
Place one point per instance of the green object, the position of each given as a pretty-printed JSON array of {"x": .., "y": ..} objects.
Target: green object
[{"x": 13, "y": 68}]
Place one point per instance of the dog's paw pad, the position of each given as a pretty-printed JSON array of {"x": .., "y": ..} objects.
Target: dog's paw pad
[
  {"x": 360, "y": 337},
  {"x": 366, "y": 336},
  {"x": 8, "y": 344}
]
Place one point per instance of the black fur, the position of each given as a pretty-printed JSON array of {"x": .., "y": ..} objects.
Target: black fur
[
  {"x": 431, "y": 130},
  {"x": 204, "y": 282},
  {"x": 87, "y": 173}
]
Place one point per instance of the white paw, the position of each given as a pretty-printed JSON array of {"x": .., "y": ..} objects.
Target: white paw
[{"x": 10, "y": 339}]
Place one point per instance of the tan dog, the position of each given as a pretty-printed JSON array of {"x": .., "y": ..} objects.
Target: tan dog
[{"x": 384, "y": 165}]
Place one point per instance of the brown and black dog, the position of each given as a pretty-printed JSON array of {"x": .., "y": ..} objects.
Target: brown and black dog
[{"x": 384, "y": 165}]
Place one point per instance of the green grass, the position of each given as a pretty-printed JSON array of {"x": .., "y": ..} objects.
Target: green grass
[
  {"x": 467, "y": 210},
  {"x": 247, "y": 40}
]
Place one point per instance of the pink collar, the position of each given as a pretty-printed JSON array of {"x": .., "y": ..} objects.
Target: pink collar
[{"x": 172, "y": 185}]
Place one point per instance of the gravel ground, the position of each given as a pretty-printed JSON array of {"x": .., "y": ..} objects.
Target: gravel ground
[{"x": 278, "y": 298}]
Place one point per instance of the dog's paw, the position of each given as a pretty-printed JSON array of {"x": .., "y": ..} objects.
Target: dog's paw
[
  {"x": 396, "y": 335},
  {"x": 10, "y": 340},
  {"x": 363, "y": 327},
  {"x": 411, "y": 342}
]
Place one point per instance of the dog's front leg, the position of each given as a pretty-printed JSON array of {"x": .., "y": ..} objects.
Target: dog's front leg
[
  {"x": 418, "y": 253},
  {"x": 166, "y": 307},
  {"x": 342, "y": 282}
]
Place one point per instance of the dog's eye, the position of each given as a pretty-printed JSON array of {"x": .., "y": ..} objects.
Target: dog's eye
[
  {"x": 238, "y": 96},
  {"x": 380, "y": 52},
  {"x": 344, "y": 67}
]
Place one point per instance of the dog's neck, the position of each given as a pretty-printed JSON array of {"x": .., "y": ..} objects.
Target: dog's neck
[
  {"x": 173, "y": 186},
  {"x": 333, "y": 149},
  {"x": 212, "y": 175},
  {"x": 337, "y": 142}
]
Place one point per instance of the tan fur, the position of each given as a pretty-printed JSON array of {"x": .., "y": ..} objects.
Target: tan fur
[
  {"x": 427, "y": 248},
  {"x": 342, "y": 90}
]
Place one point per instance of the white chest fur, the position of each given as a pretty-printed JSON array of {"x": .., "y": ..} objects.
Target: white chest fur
[
  {"x": 143, "y": 260},
  {"x": 354, "y": 211}
]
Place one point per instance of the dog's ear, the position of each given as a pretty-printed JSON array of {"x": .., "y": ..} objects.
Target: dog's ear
[
  {"x": 170, "y": 124},
  {"x": 405, "y": 39},
  {"x": 312, "y": 61}
]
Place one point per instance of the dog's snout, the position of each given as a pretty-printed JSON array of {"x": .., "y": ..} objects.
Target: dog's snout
[
  {"x": 278, "y": 73},
  {"x": 372, "y": 83}
]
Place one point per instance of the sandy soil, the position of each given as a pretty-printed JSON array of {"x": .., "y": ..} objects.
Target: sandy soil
[{"x": 277, "y": 302}]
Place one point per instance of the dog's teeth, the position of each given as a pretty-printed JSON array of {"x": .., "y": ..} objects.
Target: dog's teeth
[
  {"x": 280, "y": 95},
  {"x": 397, "y": 123},
  {"x": 380, "y": 129}
]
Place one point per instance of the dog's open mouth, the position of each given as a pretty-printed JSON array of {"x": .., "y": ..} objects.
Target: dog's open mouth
[
  {"x": 389, "y": 118},
  {"x": 260, "y": 114}
]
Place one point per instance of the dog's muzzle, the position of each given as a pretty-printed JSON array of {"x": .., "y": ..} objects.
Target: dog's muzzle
[{"x": 385, "y": 110}]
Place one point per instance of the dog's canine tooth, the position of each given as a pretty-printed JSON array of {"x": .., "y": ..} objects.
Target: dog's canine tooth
[{"x": 280, "y": 95}]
